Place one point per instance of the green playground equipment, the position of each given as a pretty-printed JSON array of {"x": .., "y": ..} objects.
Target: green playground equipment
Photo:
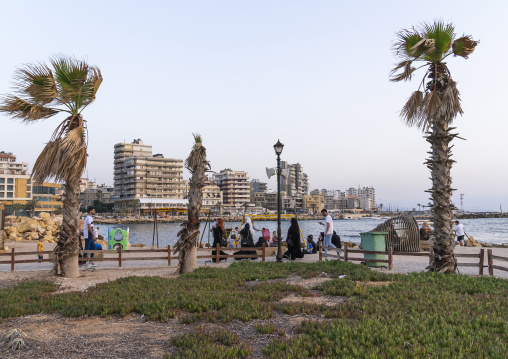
[{"x": 118, "y": 237}]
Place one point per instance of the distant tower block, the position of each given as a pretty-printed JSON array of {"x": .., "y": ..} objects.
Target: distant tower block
[{"x": 462, "y": 202}]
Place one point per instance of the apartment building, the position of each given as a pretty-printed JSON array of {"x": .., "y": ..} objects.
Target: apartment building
[
  {"x": 234, "y": 186},
  {"x": 15, "y": 182},
  {"x": 296, "y": 184},
  {"x": 212, "y": 195},
  {"x": 258, "y": 186},
  {"x": 48, "y": 197},
  {"x": 153, "y": 179}
]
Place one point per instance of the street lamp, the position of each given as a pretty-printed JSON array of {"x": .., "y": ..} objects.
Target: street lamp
[{"x": 278, "y": 150}]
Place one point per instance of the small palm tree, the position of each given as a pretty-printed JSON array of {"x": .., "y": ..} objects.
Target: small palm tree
[
  {"x": 30, "y": 206},
  {"x": 17, "y": 207},
  {"x": 197, "y": 164},
  {"x": 432, "y": 108},
  {"x": 42, "y": 92}
]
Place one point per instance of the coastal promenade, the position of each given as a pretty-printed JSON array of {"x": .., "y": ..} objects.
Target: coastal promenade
[{"x": 109, "y": 269}]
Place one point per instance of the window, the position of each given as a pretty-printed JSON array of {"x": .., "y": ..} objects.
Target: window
[
  {"x": 2, "y": 180},
  {"x": 9, "y": 195},
  {"x": 1, "y": 195},
  {"x": 28, "y": 188},
  {"x": 10, "y": 180},
  {"x": 10, "y": 188},
  {"x": 2, "y": 187},
  {"x": 29, "y": 182}
]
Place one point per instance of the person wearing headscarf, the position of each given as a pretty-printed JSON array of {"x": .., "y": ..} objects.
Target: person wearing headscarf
[
  {"x": 248, "y": 233},
  {"x": 218, "y": 232},
  {"x": 293, "y": 240}
]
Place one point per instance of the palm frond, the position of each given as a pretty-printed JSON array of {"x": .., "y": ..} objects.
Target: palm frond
[
  {"x": 38, "y": 82},
  {"x": 442, "y": 34},
  {"x": 91, "y": 85},
  {"x": 450, "y": 102},
  {"x": 411, "y": 111},
  {"x": 429, "y": 107},
  {"x": 70, "y": 74},
  {"x": 464, "y": 46},
  {"x": 46, "y": 165},
  {"x": 406, "y": 72},
  {"x": 26, "y": 111},
  {"x": 406, "y": 40}
]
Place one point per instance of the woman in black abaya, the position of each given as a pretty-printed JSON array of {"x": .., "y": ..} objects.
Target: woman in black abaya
[{"x": 293, "y": 240}]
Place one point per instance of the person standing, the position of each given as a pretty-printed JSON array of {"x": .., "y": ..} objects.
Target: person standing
[
  {"x": 328, "y": 230},
  {"x": 459, "y": 231},
  {"x": 89, "y": 235},
  {"x": 40, "y": 247}
]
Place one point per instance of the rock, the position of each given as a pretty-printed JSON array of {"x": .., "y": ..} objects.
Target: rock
[
  {"x": 139, "y": 245},
  {"x": 41, "y": 230},
  {"x": 486, "y": 245},
  {"x": 32, "y": 236},
  {"x": 13, "y": 236},
  {"x": 9, "y": 230},
  {"x": 44, "y": 215},
  {"x": 28, "y": 226},
  {"x": 472, "y": 243},
  {"x": 101, "y": 238},
  {"x": 350, "y": 244}
]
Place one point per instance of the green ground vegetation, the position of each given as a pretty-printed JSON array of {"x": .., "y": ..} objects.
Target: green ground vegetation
[{"x": 418, "y": 315}]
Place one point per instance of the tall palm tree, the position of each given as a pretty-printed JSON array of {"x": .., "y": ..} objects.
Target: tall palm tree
[
  {"x": 432, "y": 108},
  {"x": 17, "y": 207},
  {"x": 419, "y": 207},
  {"x": 41, "y": 92},
  {"x": 197, "y": 164}
]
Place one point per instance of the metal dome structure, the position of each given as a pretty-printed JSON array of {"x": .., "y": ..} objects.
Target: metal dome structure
[{"x": 403, "y": 233}]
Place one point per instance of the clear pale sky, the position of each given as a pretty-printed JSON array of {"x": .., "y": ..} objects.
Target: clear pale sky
[{"x": 243, "y": 74}]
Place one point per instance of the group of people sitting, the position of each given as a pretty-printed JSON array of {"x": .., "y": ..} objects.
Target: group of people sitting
[{"x": 244, "y": 238}]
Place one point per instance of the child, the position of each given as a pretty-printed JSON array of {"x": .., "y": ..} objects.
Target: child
[{"x": 40, "y": 247}]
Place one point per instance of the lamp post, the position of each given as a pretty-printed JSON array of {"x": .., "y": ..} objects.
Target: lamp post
[{"x": 278, "y": 150}]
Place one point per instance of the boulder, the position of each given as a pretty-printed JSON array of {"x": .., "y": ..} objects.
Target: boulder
[
  {"x": 13, "y": 236},
  {"x": 28, "y": 226},
  {"x": 486, "y": 245},
  {"x": 12, "y": 229},
  {"x": 140, "y": 245},
  {"x": 472, "y": 243},
  {"x": 44, "y": 215},
  {"x": 41, "y": 230}
]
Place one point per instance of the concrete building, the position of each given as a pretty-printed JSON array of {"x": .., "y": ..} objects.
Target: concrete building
[
  {"x": 48, "y": 196},
  {"x": 296, "y": 184},
  {"x": 313, "y": 203},
  {"x": 15, "y": 182},
  {"x": 258, "y": 186},
  {"x": 102, "y": 193},
  {"x": 212, "y": 195},
  {"x": 140, "y": 175},
  {"x": 234, "y": 186}
]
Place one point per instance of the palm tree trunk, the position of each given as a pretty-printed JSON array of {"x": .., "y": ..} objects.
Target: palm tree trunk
[
  {"x": 66, "y": 250},
  {"x": 440, "y": 165},
  {"x": 189, "y": 234}
]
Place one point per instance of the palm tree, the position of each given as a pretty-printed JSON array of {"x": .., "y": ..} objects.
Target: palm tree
[
  {"x": 30, "y": 206},
  {"x": 41, "y": 92},
  {"x": 245, "y": 205},
  {"x": 17, "y": 207},
  {"x": 197, "y": 164},
  {"x": 419, "y": 207},
  {"x": 432, "y": 108}
]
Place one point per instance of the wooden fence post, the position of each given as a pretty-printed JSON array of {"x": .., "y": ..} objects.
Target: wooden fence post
[
  {"x": 431, "y": 255},
  {"x": 218, "y": 253},
  {"x": 482, "y": 252},
  {"x": 13, "y": 255},
  {"x": 345, "y": 252},
  {"x": 491, "y": 262},
  {"x": 169, "y": 255},
  {"x": 321, "y": 252},
  {"x": 390, "y": 258},
  {"x": 120, "y": 255},
  {"x": 263, "y": 252}
]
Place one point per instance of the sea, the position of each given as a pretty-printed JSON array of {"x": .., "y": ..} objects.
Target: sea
[{"x": 491, "y": 230}]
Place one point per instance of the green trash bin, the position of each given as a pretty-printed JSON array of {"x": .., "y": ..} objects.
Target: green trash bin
[{"x": 374, "y": 241}]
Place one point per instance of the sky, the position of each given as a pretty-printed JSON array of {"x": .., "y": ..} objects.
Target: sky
[{"x": 244, "y": 74}]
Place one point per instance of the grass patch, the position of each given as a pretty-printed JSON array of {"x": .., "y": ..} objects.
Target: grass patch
[
  {"x": 418, "y": 315},
  {"x": 217, "y": 344}
]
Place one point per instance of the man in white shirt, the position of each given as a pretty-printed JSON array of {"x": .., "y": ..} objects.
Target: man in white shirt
[
  {"x": 328, "y": 231},
  {"x": 89, "y": 235},
  {"x": 459, "y": 231}
]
